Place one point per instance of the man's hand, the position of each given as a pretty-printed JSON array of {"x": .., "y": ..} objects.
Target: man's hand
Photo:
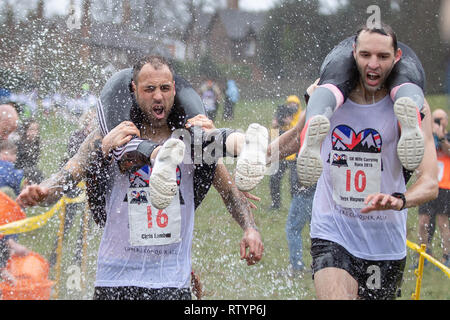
[
  {"x": 119, "y": 136},
  {"x": 32, "y": 195},
  {"x": 201, "y": 120},
  {"x": 252, "y": 241},
  {"x": 381, "y": 201}
]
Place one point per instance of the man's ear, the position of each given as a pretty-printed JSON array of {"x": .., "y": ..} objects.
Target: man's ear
[
  {"x": 133, "y": 86},
  {"x": 174, "y": 89},
  {"x": 354, "y": 50},
  {"x": 398, "y": 55}
]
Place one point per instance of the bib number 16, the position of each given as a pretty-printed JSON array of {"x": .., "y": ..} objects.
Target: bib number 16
[{"x": 161, "y": 218}]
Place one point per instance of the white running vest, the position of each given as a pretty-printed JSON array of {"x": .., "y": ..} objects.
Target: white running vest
[
  {"x": 150, "y": 266},
  {"x": 359, "y": 157}
]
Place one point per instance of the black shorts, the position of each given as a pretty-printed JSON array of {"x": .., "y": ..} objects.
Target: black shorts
[
  {"x": 440, "y": 205},
  {"x": 139, "y": 293},
  {"x": 377, "y": 280}
]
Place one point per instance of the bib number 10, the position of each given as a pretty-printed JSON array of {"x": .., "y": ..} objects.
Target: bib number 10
[
  {"x": 357, "y": 182},
  {"x": 161, "y": 218}
]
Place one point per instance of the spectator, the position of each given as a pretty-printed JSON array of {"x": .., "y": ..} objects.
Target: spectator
[
  {"x": 8, "y": 120},
  {"x": 231, "y": 98},
  {"x": 29, "y": 150},
  {"x": 12, "y": 180},
  {"x": 285, "y": 118},
  {"x": 211, "y": 95},
  {"x": 439, "y": 208}
]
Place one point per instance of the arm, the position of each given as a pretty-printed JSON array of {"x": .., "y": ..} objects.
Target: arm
[
  {"x": 239, "y": 207},
  {"x": 288, "y": 143},
  {"x": 425, "y": 188},
  {"x": 67, "y": 177}
]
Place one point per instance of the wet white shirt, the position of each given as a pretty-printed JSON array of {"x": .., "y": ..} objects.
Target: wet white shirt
[{"x": 359, "y": 157}]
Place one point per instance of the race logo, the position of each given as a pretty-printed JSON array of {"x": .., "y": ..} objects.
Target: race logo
[
  {"x": 339, "y": 160},
  {"x": 139, "y": 197},
  {"x": 140, "y": 178},
  {"x": 346, "y": 139}
]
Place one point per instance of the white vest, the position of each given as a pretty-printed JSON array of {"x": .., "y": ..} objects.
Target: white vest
[
  {"x": 152, "y": 266},
  {"x": 359, "y": 157}
]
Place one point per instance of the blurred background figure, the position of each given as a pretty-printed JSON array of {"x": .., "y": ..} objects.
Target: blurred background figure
[
  {"x": 211, "y": 95},
  {"x": 8, "y": 120},
  {"x": 12, "y": 180},
  {"x": 437, "y": 211},
  {"x": 29, "y": 150},
  {"x": 231, "y": 98},
  {"x": 445, "y": 35},
  {"x": 87, "y": 123},
  {"x": 286, "y": 116}
]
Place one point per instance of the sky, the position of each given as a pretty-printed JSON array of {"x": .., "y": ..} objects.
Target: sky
[{"x": 61, "y": 7}]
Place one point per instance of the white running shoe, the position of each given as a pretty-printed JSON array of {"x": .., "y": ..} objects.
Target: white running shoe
[
  {"x": 309, "y": 162},
  {"x": 411, "y": 145},
  {"x": 163, "y": 180},
  {"x": 251, "y": 165}
]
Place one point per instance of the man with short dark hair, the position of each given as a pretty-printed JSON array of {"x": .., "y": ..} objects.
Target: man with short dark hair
[
  {"x": 145, "y": 252},
  {"x": 358, "y": 224}
]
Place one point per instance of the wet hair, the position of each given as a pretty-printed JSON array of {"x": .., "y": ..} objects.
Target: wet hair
[
  {"x": 154, "y": 60},
  {"x": 177, "y": 115},
  {"x": 384, "y": 30}
]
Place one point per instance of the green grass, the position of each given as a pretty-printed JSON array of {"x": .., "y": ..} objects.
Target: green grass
[{"x": 215, "y": 252}]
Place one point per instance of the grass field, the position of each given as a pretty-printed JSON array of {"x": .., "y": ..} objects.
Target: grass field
[{"x": 215, "y": 251}]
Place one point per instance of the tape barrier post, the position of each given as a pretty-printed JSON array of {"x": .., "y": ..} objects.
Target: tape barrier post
[
  {"x": 84, "y": 252},
  {"x": 421, "y": 250},
  {"x": 62, "y": 217},
  {"x": 419, "y": 272}
]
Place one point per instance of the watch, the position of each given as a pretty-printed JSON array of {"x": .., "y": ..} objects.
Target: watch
[{"x": 400, "y": 195}]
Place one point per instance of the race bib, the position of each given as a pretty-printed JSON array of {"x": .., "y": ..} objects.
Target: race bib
[
  {"x": 354, "y": 176},
  {"x": 150, "y": 226}
]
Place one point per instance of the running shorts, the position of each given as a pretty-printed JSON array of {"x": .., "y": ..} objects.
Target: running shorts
[{"x": 377, "y": 280}]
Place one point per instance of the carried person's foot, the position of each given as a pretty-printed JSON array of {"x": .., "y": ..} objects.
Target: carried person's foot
[
  {"x": 163, "y": 180},
  {"x": 251, "y": 165},
  {"x": 309, "y": 162},
  {"x": 411, "y": 145}
]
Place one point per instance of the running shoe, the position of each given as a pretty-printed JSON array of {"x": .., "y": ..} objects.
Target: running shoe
[
  {"x": 411, "y": 145},
  {"x": 163, "y": 180},
  {"x": 251, "y": 165},
  {"x": 309, "y": 162}
]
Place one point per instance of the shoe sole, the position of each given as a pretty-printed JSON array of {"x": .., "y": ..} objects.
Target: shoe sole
[
  {"x": 163, "y": 181},
  {"x": 251, "y": 165},
  {"x": 309, "y": 162},
  {"x": 411, "y": 145}
]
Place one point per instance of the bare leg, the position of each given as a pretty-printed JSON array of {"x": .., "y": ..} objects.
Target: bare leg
[{"x": 335, "y": 284}]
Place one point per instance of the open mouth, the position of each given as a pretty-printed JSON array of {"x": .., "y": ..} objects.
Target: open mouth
[
  {"x": 373, "y": 78},
  {"x": 158, "y": 111}
]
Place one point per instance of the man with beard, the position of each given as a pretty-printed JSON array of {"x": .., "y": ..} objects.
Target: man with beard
[{"x": 145, "y": 252}]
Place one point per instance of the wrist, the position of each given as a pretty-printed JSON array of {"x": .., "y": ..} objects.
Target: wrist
[
  {"x": 248, "y": 228},
  {"x": 401, "y": 196}
]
